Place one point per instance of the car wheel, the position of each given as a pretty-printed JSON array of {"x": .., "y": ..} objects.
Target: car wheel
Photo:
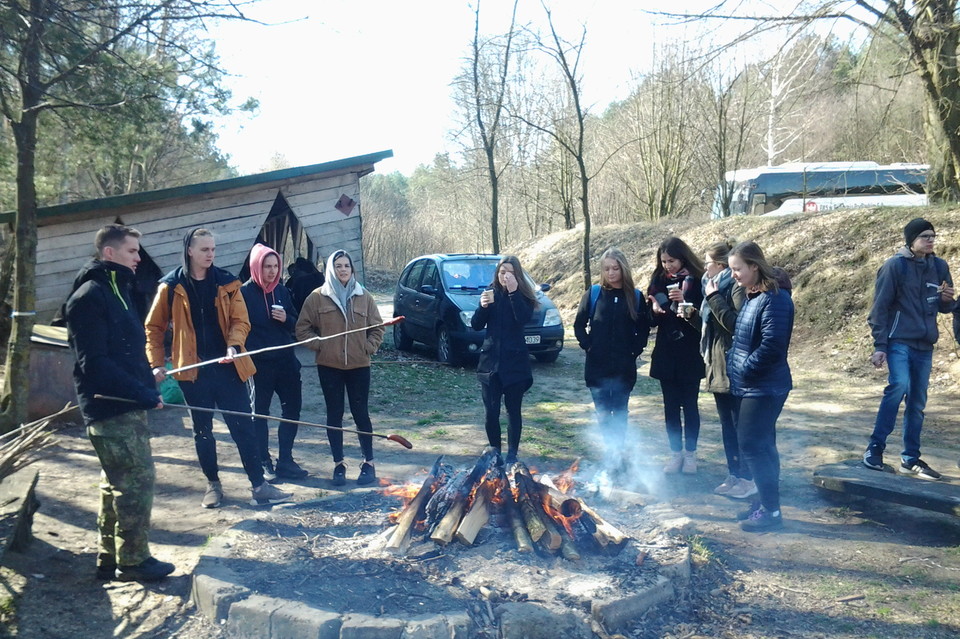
[
  {"x": 547, "y": 358},
  {"x": 445, "y": 351},
  {"x": 401, "y": 340}
]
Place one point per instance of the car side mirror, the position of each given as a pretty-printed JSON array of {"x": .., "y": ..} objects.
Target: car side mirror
[
  {"x": 428, "y": 289},
  {"x": 545, "y": 287}
]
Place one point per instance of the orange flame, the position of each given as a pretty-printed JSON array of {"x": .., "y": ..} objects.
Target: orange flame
[
  {"x": 406, "y": 492},
  {"x": 564, "y": 481},
  {"x": 560, "y": 518}
]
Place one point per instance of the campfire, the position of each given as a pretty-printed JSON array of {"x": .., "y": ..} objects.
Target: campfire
[{"x": 538, "y": 510}]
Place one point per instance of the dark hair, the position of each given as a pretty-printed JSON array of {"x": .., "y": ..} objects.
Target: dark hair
[
  {"x": 678, "y": 249},
  {"x": 341, "y": 253},
  {"x": 719, "y": 251},
  {"x": 113, "y": 235},
  {"x": 752, "y": 254},
  {"x": 523, "y": 285},
  {"x": 617, "y": 255}
]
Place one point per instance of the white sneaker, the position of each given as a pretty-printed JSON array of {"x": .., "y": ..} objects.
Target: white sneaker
[
  {"x": 745, "y": 488},
  {"x": 690, "y": 462},
  {"x": 727, "y": 484},
  {"x": 674, "y": 465}
]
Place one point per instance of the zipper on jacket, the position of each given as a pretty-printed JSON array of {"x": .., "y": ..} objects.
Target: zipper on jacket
[
  {"x": 893, "y": 328},
  {"x": 116, "y": 289}
]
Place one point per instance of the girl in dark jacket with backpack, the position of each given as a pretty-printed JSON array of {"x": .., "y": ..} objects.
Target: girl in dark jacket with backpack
[
  {"x": 504, "y": 366},
  {"x": 722, "y": 301},
  {"x": 612, "y": 326},
  {"x": 676, "y": 360},
  {"x": 760, "y": 377}
]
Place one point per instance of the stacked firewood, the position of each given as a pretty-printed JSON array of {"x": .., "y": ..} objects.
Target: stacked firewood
[{"x": 458, "y": 504}]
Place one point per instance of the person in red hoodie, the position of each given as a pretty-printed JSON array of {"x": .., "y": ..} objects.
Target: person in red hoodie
[{"x": 272, "y": 322}]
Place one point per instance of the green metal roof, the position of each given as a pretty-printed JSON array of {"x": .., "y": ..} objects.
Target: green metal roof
[{"x": 119, "y": 201}]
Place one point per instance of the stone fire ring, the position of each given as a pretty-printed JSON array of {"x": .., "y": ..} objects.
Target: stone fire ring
[{"x": 317, "y": 570}]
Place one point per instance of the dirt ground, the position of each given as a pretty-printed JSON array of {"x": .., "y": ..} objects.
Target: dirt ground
[{"x": 840, "y": 568}]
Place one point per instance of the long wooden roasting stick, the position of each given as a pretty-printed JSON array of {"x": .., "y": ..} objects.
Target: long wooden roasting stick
[
  {"x": 315, "y": 338},
  {"x": 394, "y": 438}
]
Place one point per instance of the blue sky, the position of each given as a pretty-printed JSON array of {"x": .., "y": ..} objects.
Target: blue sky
[{"x": 338, "y": 78}]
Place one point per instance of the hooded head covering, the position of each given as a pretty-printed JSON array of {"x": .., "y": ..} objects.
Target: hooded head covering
[
  {"x": 915, "y": 227},
  {"x": 333, "y": 288},
  {"x": 258, "y": 254}
]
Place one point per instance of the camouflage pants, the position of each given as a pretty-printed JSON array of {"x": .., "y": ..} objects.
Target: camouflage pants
[{"x": 122, "y": 444}]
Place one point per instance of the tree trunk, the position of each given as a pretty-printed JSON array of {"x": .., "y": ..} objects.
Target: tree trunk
[
  {"x": 585, "y": 206},
  {"x": 13, "y": 401}
]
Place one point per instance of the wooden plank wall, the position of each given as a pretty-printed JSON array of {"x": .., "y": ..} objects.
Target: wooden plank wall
[{"x": 235, "y": 218}]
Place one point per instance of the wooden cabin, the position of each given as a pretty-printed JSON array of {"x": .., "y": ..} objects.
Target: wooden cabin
[{"x": 307, "y": 211}]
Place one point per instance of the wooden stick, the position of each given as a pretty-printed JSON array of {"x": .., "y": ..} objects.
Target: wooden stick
[{"x": 315, "y": 338}]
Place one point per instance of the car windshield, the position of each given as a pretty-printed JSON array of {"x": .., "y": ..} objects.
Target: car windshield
[{"x": 468, "y": 275}]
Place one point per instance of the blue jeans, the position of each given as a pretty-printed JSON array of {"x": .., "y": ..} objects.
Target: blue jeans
[
  {"x": 909, "y": 375},
  {"x": 610, "y": 400}
]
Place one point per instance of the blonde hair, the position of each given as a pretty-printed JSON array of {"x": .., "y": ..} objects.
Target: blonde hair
[{"x": 617, "y": 256}]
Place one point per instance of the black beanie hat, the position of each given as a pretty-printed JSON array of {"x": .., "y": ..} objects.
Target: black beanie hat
[{"x": 915, "y": 227}]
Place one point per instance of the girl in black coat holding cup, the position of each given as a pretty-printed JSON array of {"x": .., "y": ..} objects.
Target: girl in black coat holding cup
[
  {"x": 504, "y": 366},
  {"x": 675, "y": 296}
]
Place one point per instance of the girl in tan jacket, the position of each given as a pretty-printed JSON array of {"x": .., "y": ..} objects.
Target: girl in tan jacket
[{"x": 343, "y": 363}]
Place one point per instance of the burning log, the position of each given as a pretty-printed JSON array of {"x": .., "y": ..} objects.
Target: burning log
[
  {"x": 478, "y": 514},
  {"x": 540, "y": 525},
  {"x": 453, "y": 502},
  {"x": 606, "y": 533},
  {"x": 414, "y": 511},
  {"x": 560, "y": 502}
]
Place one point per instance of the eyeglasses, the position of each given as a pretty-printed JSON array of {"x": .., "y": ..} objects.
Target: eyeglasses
[{"x": 927, "y": 236}]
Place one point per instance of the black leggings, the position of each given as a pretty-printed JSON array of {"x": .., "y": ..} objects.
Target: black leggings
[
  {"x": 757, "y": 432},
  {"x": 727, "y": 407},
  {"x": 512, "y": 395},
  {"x": 356, "y": 382},
  {"x": 677, "y": 395}
]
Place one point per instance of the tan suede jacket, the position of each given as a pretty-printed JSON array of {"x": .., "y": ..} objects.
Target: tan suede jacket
[{"x": 321, "y": 316}]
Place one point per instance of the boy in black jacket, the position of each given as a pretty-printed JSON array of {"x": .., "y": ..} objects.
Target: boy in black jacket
[{"x": 109, "y": 344}]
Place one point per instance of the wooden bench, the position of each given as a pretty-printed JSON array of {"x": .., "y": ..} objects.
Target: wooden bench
[
  {"x": 18, "y": 502},
  {"x": 853, "y": 478}
]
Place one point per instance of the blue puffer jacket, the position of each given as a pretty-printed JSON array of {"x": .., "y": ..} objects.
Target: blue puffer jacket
[{"x": 757, "y": 361}]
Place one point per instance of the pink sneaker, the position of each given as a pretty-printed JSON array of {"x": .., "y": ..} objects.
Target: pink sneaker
[
  {"x": 690, "y": 462},
  {"x": 745, "y": 488},
  {"x": 727, "y": 484},
  {"x": 674, "y": 465}
]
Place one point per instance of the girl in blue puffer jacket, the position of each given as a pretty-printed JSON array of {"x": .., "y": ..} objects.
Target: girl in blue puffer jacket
[{"x": 760, "y": 376}]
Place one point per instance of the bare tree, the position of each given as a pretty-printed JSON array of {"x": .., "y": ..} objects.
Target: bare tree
[
  {"x": 570, "y": 138},
  {"x": 488, "y": 80},
  {"x": 58, "y": 54}
]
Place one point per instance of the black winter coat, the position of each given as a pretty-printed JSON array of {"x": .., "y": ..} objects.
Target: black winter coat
[
  {"x": 108, "y": 342},
  {"x": 264, "y": 330},
  {"x": 676, "y": 352},
  {"x": 614, "y": 340},
  {"x": 757, "y": 361},
  {"x": 504, "y": 349}
]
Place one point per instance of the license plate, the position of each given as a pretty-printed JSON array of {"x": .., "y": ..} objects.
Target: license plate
[{"x": 531, "y": 339}]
